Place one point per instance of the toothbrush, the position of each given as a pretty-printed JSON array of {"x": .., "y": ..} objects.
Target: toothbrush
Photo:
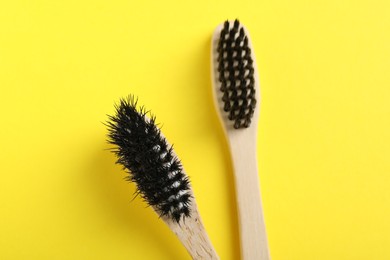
[
  {"x": 161, "y": 182},
  {"x": 235, "y": 86}
]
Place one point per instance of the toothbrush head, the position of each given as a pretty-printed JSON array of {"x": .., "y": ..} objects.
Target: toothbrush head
[
  {"x": 235, "y": 73},
  {"x": 143, "y": 151}
]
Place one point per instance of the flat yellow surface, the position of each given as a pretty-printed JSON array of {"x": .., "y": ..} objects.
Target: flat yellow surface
[{"x": 323, "y": 139}]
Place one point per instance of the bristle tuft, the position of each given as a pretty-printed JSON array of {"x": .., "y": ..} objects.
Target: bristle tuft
[
  {"x": 150, "y": 161},
  {"x": 236, "y": 74}
]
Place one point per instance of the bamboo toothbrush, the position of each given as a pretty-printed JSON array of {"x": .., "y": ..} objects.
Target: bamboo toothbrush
[
  {"x": 236, "y": 93},
  {"x": 152, "y": 164}
]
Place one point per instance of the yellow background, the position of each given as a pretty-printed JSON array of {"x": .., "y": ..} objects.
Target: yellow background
[{"x": 323, "y": 139}]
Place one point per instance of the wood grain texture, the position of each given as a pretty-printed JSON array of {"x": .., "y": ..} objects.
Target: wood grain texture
[
  {"x": 192, "y": 235},
  {"x": 242, "y": 143}
]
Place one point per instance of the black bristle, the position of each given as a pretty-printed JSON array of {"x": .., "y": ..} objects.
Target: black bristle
[
  {"x": 242, "y": 32},
  {"x": 226, "y": 26},
  {"x": 236, "y": 24},
  {"x": 223, "y": 87},
  {"x": 236, "y": 74},
  {"x": 145, "y": 154}
]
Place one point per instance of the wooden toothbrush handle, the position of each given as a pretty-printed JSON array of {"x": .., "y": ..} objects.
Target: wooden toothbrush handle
[
  {"x": 193, "y": 236},
  {"x": 253, "y": 238}
]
